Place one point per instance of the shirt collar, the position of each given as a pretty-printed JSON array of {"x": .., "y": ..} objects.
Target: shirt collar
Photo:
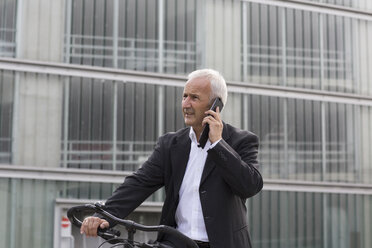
[
  {"x": 192, "y": 135},
  {"x": 193, "y": 139}
]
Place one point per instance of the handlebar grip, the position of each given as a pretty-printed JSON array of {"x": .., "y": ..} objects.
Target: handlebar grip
[{"x": 107, "y": 233}]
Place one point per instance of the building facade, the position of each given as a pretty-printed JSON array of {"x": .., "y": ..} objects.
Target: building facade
[{"x": 87, "y": 87}]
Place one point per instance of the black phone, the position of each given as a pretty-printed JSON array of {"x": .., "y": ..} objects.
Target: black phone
[{"x": 205, "y": 133}]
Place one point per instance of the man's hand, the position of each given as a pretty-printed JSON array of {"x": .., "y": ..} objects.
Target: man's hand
[
  {"x": 215, "y": 124},
  {"x": 91, "y": 224}
]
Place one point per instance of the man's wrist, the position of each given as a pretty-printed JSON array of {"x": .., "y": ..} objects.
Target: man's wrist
[{"x": 214, "y": 143}]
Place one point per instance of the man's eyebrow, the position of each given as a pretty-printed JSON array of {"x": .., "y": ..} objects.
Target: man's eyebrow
[{"x": 191, "y": 94}]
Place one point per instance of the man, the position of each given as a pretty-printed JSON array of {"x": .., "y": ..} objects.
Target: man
[{"x": 206, "y": 189}]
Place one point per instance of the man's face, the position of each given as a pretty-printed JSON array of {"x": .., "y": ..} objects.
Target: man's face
[{"x": 195, "y": 102}]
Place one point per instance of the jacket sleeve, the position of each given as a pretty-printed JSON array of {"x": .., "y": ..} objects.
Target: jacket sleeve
[
  {"x": 239, "y": 167},
  {"x": 137, "y": 187}
]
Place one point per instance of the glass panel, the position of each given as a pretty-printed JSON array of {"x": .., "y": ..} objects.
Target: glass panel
[
  {"x": 92, "y": 143},
  {"x": 180, "y": 36},
  {"x": 304, "y": 140},
  {"x": 363, "y": 61},
  {"x": 338, "y": 69},
  {"x": 90, "y": 124},
  {"x": 137, "y": 124},
  {"x": 363, "y": 130},
  {"x": 86, "y": 190},
  {"x": 340, "y": 147},
  {"x": 8, "y": 9},
  {"x": 291, "y": 139},
  {"x": 135, "y": 44},
  {"x": 264, "y": 42},
  {"x": 266, "y": 121},
  {"x": 6, "y": 115},
  {"x": 302, "y": 49},
  {"x": 313, "y": 220},
  {"x": 173, "y": 109},
  {"x": 38, "y": 106},
  {"x": 138, "y": 120},
  {"x": 305, "y": 49}
]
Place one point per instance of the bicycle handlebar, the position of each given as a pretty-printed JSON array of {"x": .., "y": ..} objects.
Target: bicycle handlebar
[
  {"x": 104, "y": 233},
  {"x": 111, "y": 233}
]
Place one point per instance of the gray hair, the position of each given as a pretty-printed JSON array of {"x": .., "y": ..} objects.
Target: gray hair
[{"x": 218, "y": 84}]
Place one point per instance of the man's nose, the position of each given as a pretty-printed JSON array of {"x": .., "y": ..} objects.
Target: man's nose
[{"x": 186, "y": 102}]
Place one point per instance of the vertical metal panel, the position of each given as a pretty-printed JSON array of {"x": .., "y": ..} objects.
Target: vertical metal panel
[
  {"x": 115, "y": 35},
  {"x": 8, "y": 23},
  {"x": 362, "y": 56},
  {"x": 65, "y": 121},
  {"x": 14, "y": 192},
  {"x": 161, "y": 99},
  {"x": 161, "y": 36},
  {"x": 245, "y": 25},
  {"x": 5, "y": 213},
  {"x": 6, "y": 115},
  {"x": 114, "y": 125}
]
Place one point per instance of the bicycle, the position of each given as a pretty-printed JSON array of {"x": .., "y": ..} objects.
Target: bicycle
[{"x": 112, "y": 236}]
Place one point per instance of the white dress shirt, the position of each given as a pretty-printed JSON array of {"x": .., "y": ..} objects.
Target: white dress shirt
[{"x": 189, "y": 214}]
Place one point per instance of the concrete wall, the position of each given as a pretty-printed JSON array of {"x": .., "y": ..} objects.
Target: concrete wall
[
  {"x": 219, "y": 38},
  {"x": 223, "y": 37},
  {"x": 37, "y": 132}
]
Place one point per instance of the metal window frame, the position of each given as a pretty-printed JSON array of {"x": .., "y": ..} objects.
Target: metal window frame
[
  {"x": 69, "y": 70},
  {"x": 62, "y": 174},
  {"x": 323, "y": 8},
  {"x": 117, "y": 177}
]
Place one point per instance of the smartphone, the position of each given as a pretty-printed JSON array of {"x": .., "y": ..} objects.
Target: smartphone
[{"x": 205, "y": 133}]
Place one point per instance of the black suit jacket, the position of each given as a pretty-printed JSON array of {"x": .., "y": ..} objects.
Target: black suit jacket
[{"x": 230, "y": 176}]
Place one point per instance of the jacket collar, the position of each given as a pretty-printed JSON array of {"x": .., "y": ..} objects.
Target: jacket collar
[
  {"x": 180, "y": 151},
  {"x": 209, "y": 164}
]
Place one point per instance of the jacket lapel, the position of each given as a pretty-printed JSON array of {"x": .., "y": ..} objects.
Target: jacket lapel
[
  {"x": 180, "y": 152},
  {"x": 209, "y": 164}
]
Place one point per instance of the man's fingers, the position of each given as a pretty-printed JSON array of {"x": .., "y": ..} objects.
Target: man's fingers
[
  {"x": 216, "y": 115},
  {"x": 83, "y": 228},
  {"x": 104, "y": 224},
  {"x": 91, "y": 224},
  {"x": 92, "y": 227},
  {"x": 209, "y": 120},
  {"x": 215, "y": 126}
]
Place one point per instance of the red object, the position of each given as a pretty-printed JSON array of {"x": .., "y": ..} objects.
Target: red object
[{"x": 65, "y": 222}]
